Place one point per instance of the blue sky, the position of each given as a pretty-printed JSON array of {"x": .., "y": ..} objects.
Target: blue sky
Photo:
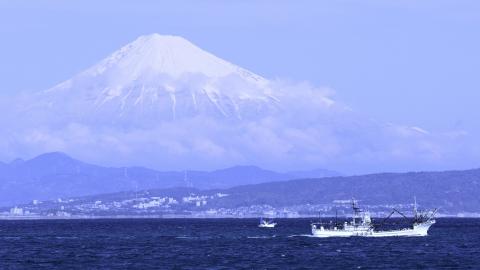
[
  {"x": 406, "y": 62},
  {"x": 409, "y": 62}
]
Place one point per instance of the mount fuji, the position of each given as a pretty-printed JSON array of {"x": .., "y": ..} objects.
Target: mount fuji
[
  {"x": 164, "y": 103},
  {"x": 163, "y": 78}
]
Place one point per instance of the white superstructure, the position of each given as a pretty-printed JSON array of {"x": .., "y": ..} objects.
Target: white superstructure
[{"x": 361, "y": 225}]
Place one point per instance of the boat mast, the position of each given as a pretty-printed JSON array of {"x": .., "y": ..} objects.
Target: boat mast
[
  {"x": 416, "y": 218},
  {"x": 415, "y": 205},
  {"x": 336, "y": 216},
  {"x": 356, "y": 211}
]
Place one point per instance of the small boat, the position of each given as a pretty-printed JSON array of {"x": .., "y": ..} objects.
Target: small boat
[
  {"x": 265, "y": 223},
  {"x": 362, "y": 225}
]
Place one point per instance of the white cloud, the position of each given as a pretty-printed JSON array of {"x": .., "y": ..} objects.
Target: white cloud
[{"x": 311, "y": 130}]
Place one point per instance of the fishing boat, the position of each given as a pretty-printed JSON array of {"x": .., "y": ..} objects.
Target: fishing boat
[
  {"x": 265, "y": 223},
  {"x": 362, "y": 225}
]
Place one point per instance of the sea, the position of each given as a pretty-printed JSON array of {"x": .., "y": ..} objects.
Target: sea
[{"x": 452, "y": 243}]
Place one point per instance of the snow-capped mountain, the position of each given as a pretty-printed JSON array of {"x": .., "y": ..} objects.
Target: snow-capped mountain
[
  {"x": 164, "y": 77},
  {"x": 164, "y": 103}
]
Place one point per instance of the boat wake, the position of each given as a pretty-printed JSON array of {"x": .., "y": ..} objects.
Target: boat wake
[
  {"x": 262, "y": 237},
  {"x": 301, "y": 235}
]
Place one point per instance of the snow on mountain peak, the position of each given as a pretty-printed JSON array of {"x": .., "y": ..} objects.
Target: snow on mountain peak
[
  {"x": 172, "y": 55},
  {"x": 162, "y": 101},
  {"x": 168, "y": 75}
]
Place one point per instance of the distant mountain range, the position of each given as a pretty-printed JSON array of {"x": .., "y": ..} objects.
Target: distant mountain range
[
  {"x": 452, "y": 192},
  {"x": 56, "y": 175}
]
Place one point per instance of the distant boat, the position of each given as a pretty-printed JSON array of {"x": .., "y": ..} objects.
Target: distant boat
[
  {"x": 362, "y": 225},
  {"x": 265, "y": 223}
]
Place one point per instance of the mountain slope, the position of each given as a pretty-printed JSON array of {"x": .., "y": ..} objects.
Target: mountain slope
[
  {"x": 453, "y": 192},
  {"x": 316, "y": 173},
  {"x": 450, "y": 190},
  {"x": 165, "y": 77},
  {"x": 164, "y": 103},
  {"x": 56, "y": 175}
]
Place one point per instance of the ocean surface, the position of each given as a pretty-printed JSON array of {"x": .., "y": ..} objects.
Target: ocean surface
[{"x": 226, "y": 244}]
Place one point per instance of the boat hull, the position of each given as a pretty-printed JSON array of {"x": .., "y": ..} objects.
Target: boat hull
[
  {"x": 417, "y": 230},
  {"x": 267, "y": 225}
]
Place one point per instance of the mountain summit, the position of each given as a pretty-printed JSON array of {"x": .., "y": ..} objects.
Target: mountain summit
[
  {"x": 162, "y": 102},
  {"x": 173, "y": 56},
  {"x": 165, "y": 77}
]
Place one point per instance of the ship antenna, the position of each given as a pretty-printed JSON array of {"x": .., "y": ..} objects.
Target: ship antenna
[
  {"x": 136, "y": 191},
  {"x": 415, "y": 205},
  {"x": 355, "y": 209},
  {"x": 336, "y": 216}
]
